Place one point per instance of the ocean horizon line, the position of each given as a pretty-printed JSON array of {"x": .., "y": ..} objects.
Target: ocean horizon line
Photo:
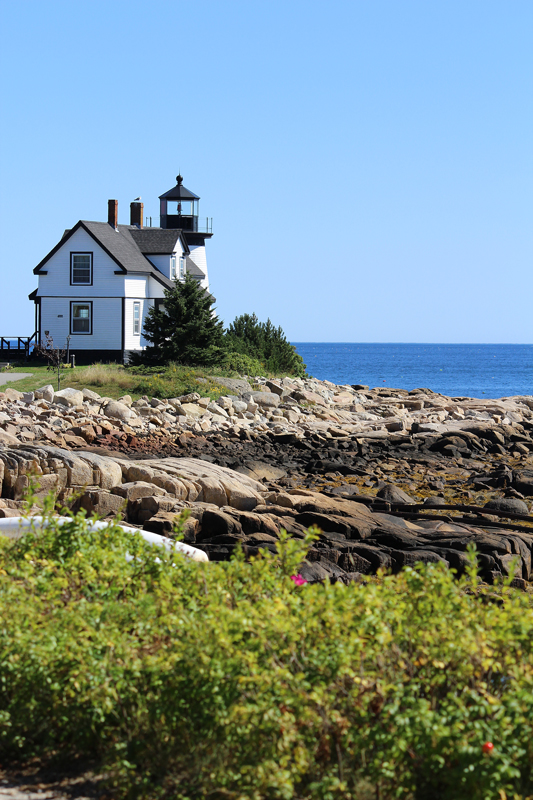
[{"x": 422, "y": 344}]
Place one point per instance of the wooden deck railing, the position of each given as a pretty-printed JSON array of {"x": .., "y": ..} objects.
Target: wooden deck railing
[{"x": 17, "y": 345}]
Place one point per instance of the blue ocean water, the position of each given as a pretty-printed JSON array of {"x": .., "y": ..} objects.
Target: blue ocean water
[{"x": 467, "y": 370}]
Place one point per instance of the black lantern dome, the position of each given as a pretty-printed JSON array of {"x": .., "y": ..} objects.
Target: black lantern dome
[{"x": 179, "y": 208}]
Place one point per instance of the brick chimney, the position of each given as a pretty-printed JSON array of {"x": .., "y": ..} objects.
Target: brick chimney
[
  {"x": 112, "y": 213},
  {"x": 136, "y": 214}
]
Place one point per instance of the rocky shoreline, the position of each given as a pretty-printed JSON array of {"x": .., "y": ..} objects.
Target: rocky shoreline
[{"x": 390, "y": 477}]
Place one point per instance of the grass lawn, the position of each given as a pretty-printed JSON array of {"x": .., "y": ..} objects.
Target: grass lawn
[{"x": 115, "y": 380}]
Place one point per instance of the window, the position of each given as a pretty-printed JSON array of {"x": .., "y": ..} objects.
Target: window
[
  {"x": 182, "y": 267},
  {"x": 173, "y": 274},
  {"x": 81, "y": 269},
  {"x": 81, "y": 317},
  {"x": 136, "y": 318}
]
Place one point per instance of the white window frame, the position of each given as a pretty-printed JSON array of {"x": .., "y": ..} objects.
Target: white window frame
[
  {"x": 88, "y": 280},
  {"x": 137, "y": 318},
  {"x": 74, "y": 304},
  {"x": 173, "y": 272},
  {"x": 182, "y": 267}
]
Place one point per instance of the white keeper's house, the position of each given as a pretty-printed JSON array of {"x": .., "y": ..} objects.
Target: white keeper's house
[{"x": 98, "y": 283}]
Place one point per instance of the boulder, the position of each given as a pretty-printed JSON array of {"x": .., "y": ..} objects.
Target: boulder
[
  {"x": 212, "y": 491},
  {"x": 239, "y": 495},
  {"x": 312, "y": 398},
  {"x": 137, "y": 489},
  {"x": 511, "y": 504},
  {"x": 214, "y": 408},
  {"x": 46, "y": 393},
  {"x": 275, "y": 388},
  {"x": 89, "y": 395},
  {"x": 7, "y": 439},
  {"x": 120, "y": 411},
  {"x": 217, "y": 523},
  {"x": 408, "y": 558},
  {"x": 313, "y": 572},
  {"x": 393, "y": 494},
  {"x": 45, "y": 484},
  {"x": 107, "y": 473},
  {"x": 266, "y": 400},
  {"x": 193, "y": 397},
  {"x": 164, "y": 523},
  {"x": 191, "y": 410},
  {"x": 102, "y": 503},
  {"x": 69, "y": 397},
  {"x": 139, "y": 472},
  {"x": 523, "y": 482}
]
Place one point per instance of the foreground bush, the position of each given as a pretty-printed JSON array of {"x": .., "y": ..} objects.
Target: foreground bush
[{"x": 231, "y": 680}]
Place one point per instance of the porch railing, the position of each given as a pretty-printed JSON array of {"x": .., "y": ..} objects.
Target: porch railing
[{"x": 17, "y": 345}]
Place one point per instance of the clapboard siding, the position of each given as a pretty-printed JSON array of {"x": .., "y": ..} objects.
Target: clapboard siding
[
  {"x": 135, "y": 287},
  {"x": 134, "y": 341},
  {"x": 155, "y": 289},
  {"x": 197, "y": 255},
  {"x": 57, "y": 281},
  {"x": 162, "y": 263},
  {"x": 107, "y": 323}
]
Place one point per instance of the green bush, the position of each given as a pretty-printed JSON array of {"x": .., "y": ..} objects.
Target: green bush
[
  {"x": 243, "y": 364},
  {"x": 228, "y": 680},
  {"x": 263, "y": 341}
]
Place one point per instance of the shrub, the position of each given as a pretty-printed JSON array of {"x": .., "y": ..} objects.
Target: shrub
[
  {"x": 229, "y": 680},
  {"x": 263, "y": 341},
  {"x": 243, "y": 364}
]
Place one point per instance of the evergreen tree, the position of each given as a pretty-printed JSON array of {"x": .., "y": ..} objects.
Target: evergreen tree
[
  {"x": 186, "y": 331},
  {"x": 265, "y": 342}
]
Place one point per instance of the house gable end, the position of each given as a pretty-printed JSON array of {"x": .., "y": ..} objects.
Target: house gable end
[{"x": 38, "y": 269}]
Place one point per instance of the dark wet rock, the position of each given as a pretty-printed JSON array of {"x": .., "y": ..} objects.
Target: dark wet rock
[
  {"x": 397, "y": 539},
  {"x": 351, "y": 561},
  {"x": 523, "y": 482},
  {"x": 511, "y": 504},
  {"x": 313, "y": 572},
  {"x": 225, "y": 538},
  {"x": 393, "y": 494},
  {"x": 434, "y": 501},
  {"x": 448, "y": 444},
  {"x": 409, "y": 558},
  {"x": 326, "y": 522},
  {"x": 217, "y": 523}
]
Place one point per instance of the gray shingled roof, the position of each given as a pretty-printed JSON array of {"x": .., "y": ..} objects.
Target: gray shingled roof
[
  {"x": 193, "y": 269},
  {"x": 120, "y": 244},
  {"x": 155, "y": 241}
]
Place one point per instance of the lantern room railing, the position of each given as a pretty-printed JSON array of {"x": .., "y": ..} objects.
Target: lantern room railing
[{"x": 186, "y": 223}]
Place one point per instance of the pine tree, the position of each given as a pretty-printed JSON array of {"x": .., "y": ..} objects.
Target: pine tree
[
  {"x": 186, "y": 330},
  {"x": 265, "y": 342}
]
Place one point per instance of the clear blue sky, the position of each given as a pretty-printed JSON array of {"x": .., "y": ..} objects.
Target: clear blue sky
[{"x": 367, "y": 163}]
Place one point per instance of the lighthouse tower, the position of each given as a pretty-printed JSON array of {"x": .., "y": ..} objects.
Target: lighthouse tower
[{"x": 179, "y": 209}]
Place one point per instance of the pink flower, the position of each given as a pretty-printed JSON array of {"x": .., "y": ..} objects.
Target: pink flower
[{"x": 298, "y": 580}]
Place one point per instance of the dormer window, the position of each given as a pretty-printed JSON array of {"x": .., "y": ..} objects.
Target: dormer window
[
  {"x": 182, "y": 267},
  {"x": 173, "y": 273},
  {"x": 81, "y": 269}
]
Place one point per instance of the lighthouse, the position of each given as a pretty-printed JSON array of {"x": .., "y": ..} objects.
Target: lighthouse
[{"x": 179, "y": 209}]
